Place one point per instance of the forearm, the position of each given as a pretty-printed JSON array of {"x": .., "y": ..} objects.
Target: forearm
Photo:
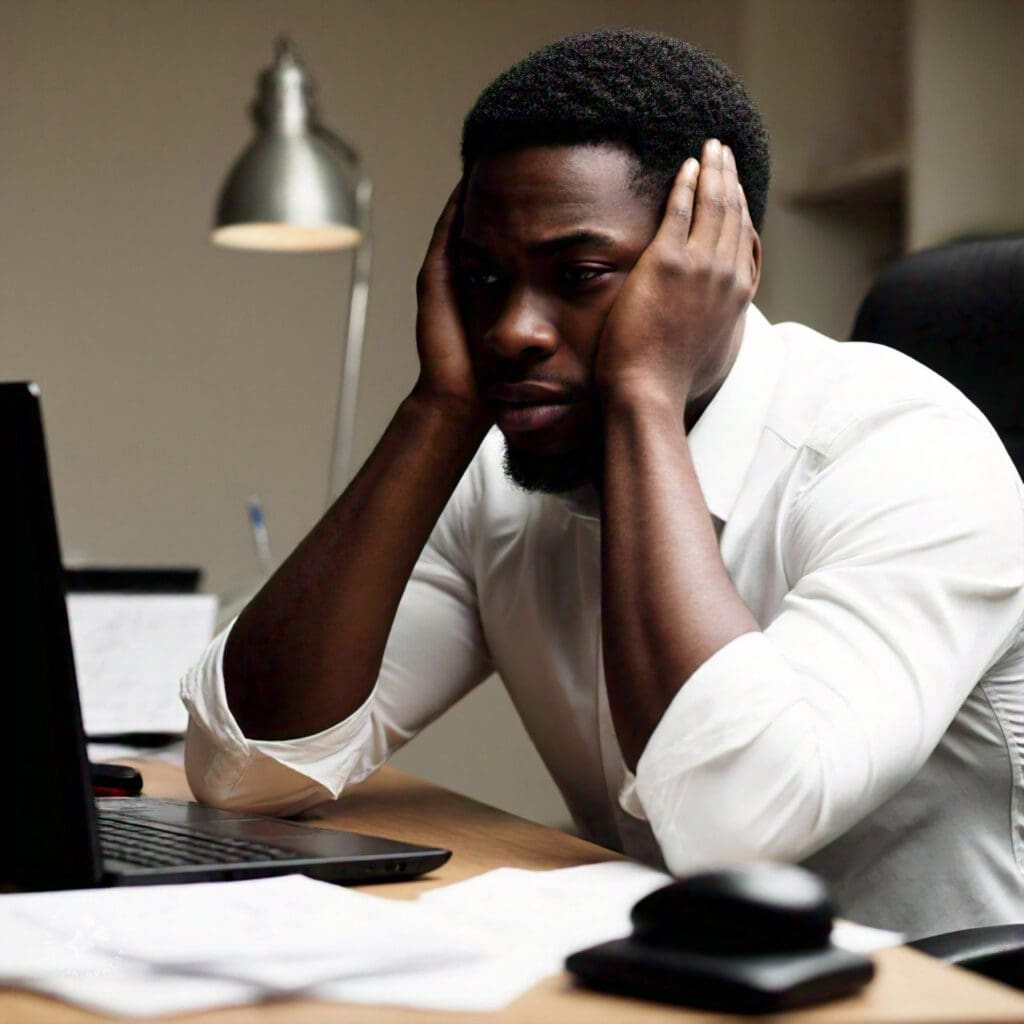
[
  {"x": 306, "y": 651},
  {"x": 667, "y": 602}
]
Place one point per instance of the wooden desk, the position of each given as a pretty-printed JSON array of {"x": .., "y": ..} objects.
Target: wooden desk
[{"x": 908, "y": 986}]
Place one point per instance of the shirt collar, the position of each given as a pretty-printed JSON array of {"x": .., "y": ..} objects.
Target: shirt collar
[{"x": 724, "y": 440}]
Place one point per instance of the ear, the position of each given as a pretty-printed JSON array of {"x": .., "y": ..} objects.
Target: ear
[{"x": 755, "y": 267}]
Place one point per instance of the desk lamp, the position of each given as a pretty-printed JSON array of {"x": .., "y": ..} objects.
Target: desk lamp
[{"x": 298, "y": 187}]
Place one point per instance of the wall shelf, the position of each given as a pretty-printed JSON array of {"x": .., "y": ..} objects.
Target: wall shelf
[{"x": 875, "y": 179}]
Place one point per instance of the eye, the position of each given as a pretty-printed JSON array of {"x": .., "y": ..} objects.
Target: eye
[
  {"x": 578, "y": 275},
  {"x": 477, "y": 277}
]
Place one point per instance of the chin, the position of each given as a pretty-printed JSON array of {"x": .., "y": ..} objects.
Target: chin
[{"x": 555, "y": 472}]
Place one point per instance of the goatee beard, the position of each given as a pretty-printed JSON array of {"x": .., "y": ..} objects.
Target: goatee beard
[{"x": 557, "y": 473}]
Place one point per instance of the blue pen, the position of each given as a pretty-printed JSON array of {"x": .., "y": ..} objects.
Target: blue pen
[{"x": 260, "y": 537}]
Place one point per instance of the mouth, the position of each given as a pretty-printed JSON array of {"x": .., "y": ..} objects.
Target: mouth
[
  {"x": 521, "y": 419},
  {"x": 529, "y": 406}
]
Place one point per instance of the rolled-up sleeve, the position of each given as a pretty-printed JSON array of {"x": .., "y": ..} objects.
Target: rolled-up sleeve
[
  {"x": 905, "y": 552},
  {"x": 435, "y": 654}
]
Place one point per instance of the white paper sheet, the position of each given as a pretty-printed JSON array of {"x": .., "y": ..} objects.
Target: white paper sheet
[
  {"x": 473, "y": 946},
  {"x": 859, "y": 938},
  {"x": 154, "y": 950},
  {"x": 130, "y": 653},
  {"x": 525, "y": 923}
]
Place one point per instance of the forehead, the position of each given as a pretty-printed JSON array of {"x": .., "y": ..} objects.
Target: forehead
[{"x": 549, "y": 190}]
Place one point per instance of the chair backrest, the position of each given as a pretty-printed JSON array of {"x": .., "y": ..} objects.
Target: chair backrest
[{"x": 959, "y": 309}]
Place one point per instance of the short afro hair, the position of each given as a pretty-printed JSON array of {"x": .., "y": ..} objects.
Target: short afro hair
[{"x": 653, "y": 95}]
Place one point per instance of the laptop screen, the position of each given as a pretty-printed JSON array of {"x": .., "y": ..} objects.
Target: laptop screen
[{"x": 50, "y": 836}]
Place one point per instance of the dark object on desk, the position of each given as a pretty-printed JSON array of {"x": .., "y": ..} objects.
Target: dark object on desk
[
  {"x": 959, "y": 309},
  {"x": 760, "y": 908},
  {"x": 753, "y": 939},
  {"x": 113, "y": 841},
  {"x": 115, "y": 780},
  {"x": 132, "y": 580},
  {"x": 997, "y": 952}
]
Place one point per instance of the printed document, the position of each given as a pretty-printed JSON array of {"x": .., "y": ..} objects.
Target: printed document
[{"x": 131, "y": 651}]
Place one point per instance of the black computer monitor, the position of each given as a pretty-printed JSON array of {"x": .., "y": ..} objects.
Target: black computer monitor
[{"x": 49, "y": 836}]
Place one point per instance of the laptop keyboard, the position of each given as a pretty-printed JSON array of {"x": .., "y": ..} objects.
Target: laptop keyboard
[{"x": 150, "y": 844}]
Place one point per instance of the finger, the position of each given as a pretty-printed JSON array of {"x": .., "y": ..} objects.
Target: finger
[
  {"x": 748, "y": 238},
  {"x": 443, "y": 235},
  {"x": 436, "y": 267},
  {"x": 732, "y": 218},
  {"x": 675, "y": 225},
  {"x": 748, "y": 224},
  {"x": 709, "y": 204}
]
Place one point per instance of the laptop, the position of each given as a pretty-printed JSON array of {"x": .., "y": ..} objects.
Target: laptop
[{"x": 58, "y": 835}]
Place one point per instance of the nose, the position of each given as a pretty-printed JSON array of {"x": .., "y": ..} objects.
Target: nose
[{"x": 522, "y": 330}]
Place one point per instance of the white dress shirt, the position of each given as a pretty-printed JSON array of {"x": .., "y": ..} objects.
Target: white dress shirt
[{"x": 874, "y": 525}]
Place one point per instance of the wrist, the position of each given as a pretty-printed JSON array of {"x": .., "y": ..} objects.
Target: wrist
[
  {"x": 644, "y": 395},
  {"x": 465, "y": 415}
]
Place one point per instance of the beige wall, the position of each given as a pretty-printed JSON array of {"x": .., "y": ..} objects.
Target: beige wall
[
  {"x": 828, "y": 76},
  {"x": 967, "y": 90},
  {"x": 935, "y": 86}
]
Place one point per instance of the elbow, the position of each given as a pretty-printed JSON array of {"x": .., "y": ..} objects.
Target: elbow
[
  {"x": 212, "y": 774},
  {"x": 760, "y": 832},
  {"x": 768, "y": 800},
  {"x": 783, "y": 825},
  {"x": 248, "y": 782}
]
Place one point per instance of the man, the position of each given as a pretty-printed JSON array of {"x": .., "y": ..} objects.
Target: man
[{"x": 754, "y": 594}]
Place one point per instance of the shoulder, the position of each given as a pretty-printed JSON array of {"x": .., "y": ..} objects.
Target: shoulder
[
  {"x": 890, "y": 457},
  {"x": 881, "y": 445},
  {"x": 832, "y": 392}
]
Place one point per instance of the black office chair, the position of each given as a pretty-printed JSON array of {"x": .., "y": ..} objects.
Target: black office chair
[{"x": 959, "y": 309}]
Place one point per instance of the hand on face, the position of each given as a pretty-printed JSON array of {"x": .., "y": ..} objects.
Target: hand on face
[
  {"x": 446, "y": 373},
  {"x": 669, "y": 333}
]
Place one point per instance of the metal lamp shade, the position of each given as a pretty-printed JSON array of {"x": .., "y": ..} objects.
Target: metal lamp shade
[
  {"x": 287, "y": 192},
  {"x": 292, "y": 188}
]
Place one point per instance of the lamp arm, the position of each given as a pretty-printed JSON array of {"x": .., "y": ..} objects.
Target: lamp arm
[{"x": 348, "y": 390}]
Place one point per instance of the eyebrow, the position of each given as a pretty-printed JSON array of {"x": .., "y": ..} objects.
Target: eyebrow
[{"x": 550, "y": 246}]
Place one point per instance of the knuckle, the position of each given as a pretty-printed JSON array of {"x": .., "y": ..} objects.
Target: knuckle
[
  {"x": 685, "y": 191},
  {"x": 672, "y": 264},
  {"x": 700, "y": 265},
  {"x": 741, "y": 283},
  {"x": 724, "y": 271},
  {"x": 728, "y": 279},
  {"x": 713, "y": 201}
]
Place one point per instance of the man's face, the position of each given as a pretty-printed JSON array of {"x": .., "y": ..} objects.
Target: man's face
[{"x": 548, "y": 236}]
